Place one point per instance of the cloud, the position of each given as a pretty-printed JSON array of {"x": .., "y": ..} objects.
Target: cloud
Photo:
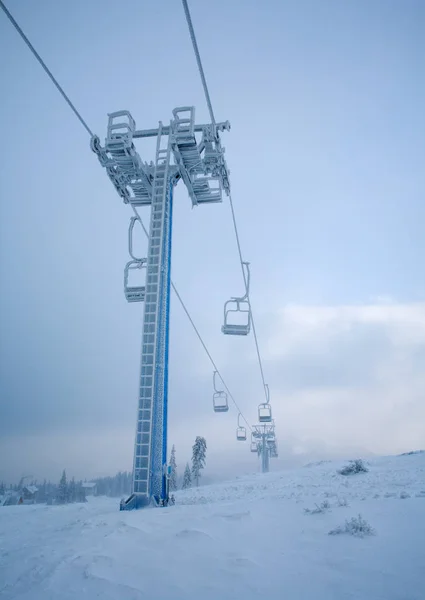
[
  {"x": 349, "y": 376},
  {"x": 344, "y": 381}
]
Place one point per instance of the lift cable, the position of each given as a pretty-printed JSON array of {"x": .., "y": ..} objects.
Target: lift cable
[
  {"x": 87, "y": 128},
  {"x": 208, "y": 99},
  {"x": 43, "y": 64},
  {"x": 260, "y": 362},
  {"x": 198, "y": 59},
  {"x": 197, "y": 332}
]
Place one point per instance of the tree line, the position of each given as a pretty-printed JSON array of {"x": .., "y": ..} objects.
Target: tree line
[
  {"x": 47, "y": 492},
  {"x": 118, "y": 486}
]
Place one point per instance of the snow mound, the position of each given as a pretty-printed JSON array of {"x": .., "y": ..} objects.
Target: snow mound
[{"x": 257, "y": 537}]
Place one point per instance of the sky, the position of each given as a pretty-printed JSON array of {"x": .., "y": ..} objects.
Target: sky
[{"x": 326, "y": 154}]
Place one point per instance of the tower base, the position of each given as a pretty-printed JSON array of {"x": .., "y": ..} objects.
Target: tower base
[{"x": 135, "y": 501}]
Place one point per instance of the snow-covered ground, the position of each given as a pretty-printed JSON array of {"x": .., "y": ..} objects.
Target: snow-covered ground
[{"x": 249, "y": 538}]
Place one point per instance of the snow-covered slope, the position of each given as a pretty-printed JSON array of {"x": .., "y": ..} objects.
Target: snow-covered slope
[{"x": 250, "y": 538}]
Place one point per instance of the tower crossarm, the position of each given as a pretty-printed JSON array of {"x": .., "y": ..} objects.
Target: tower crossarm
[{"x": 145, "y": 133}]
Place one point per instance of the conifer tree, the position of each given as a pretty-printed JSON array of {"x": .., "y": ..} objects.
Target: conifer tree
[
  {"x": 173, "y": 465},
  {"x": 187, "y": 478},
  {"x": 199, "y": 450},
  {"x": 63, "y": 489}
]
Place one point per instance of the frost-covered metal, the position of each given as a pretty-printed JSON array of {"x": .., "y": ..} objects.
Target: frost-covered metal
[
  {"x": 134, "y": 270},
  {"x": 255, "y": 441},
  {"x": 131, "y": 177},
  {"x": 201, "y": 165},
  {"x": 150, "y": 447},
  {"x": 240, "y": 431},
  {"x": 134, "y": 293},
  {"x": 264, "y": 409},
  {"x": 237, "y": 311},
  {"x": 220, "y": 401},
  {"x": 264, "y": 442},
  {"x": 264, "y": 413}
]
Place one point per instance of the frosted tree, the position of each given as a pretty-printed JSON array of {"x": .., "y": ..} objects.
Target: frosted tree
[
  {"x": 173, "y": 465},
  {"x": 187, "y": 478},
  {"x": 63, "y": 489},
  {"x": 199, "y": 451}
]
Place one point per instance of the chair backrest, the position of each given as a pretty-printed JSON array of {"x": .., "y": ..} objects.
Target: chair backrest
[
  {"x": 241, "y": 434},
  {"x": 220, "y": 403},
  {"x": 264, "y": 413}
]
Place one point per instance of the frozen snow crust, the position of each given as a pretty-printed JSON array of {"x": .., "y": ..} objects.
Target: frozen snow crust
[{"x": 246, "y": 539}]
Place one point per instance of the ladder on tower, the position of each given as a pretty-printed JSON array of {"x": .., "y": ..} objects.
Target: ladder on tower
[{"x": 149, "y": 447}]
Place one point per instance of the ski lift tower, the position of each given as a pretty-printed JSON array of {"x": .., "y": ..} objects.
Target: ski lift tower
[
  {"x": 201, "y": 166},
  {"x": 263, "y": 441}
]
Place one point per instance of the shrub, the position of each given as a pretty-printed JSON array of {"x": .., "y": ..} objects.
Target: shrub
[
  {"x": 356, "y": 526},
  {"x": 324, "y": 506},
  {"x": 354, "y": 467}
]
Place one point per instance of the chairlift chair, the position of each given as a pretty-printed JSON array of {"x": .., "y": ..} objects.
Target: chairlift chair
[
  {"x": 254, "y": 446},
  {"x": 241, "y": 434},
  {"x": 233, "y": 307},
  {"x": 240, "y": 431},
  {"x": 220, "y": 403},
  {"x": 270, "y": 441},
  {"x": 134, "y": 293},
  {"x": 264, "y": 413},
  {"x": 120, "y": 125},
  {"x": 238, "y": 307}
]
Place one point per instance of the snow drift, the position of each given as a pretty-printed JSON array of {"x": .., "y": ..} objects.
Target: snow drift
[{"x": 255, "y": 537}]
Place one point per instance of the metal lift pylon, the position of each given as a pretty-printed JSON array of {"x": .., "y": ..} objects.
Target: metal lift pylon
[
  {"x": 263, "y": 441},
  {"x": 204, "y": 171},
  {"x": 150, "y": 448}
]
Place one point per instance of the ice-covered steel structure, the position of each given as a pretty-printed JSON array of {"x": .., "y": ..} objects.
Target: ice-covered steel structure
[{"x": 200, "y": 164}]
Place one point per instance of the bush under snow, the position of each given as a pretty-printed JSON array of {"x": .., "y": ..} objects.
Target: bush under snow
[
  {"x": 356, "y": 526},
  {"x": 324, "y": 506},
  {"x": 354, "y": 467}
]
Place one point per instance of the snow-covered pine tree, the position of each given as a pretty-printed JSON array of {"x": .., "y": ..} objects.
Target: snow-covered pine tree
[
  {"x": 173, "y": 465},
  {"x": 63, "y": 489},
  {"x": 199, "y": 450},
  {"x": 187, "y": 478}
]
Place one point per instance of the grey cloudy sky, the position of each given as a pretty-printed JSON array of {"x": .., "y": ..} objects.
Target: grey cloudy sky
[{"x": 326, "y": 154}]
